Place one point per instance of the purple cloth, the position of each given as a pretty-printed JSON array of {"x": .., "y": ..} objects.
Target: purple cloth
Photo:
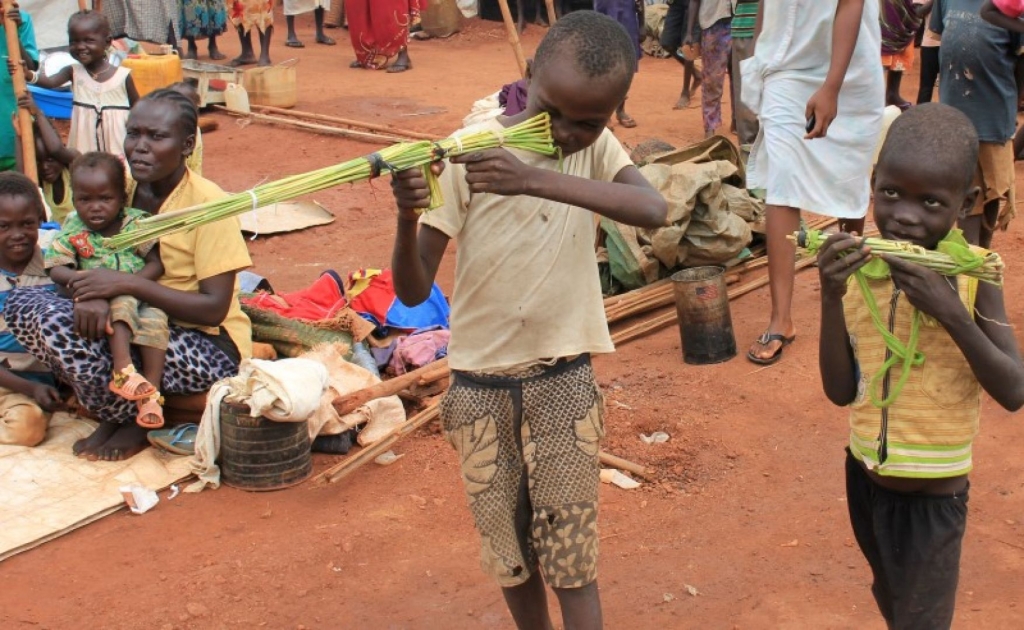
[
  {"x": 513, "y": 97},
  {"x": 625, "y": 13},
  {"x": 899, "y": 22}
]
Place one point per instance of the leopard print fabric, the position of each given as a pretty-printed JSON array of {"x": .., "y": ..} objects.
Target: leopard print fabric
[{"x": 43, "y": 322}]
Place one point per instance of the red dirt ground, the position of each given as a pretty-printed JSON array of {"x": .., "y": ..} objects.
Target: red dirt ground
[{"x": 748, "y": 502}]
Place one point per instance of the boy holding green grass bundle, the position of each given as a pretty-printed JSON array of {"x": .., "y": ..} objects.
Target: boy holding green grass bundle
[
  {"x": 911, "y": 434},
  {"x": 524, "y": 411}
]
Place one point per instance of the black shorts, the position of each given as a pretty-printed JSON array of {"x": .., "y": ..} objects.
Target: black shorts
[
  {"x": 912, "y": 543},
  {"x": 675, "y": 26}
]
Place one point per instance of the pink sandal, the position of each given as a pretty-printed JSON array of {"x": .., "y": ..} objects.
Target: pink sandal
[
  {"x": 131, "y": 385},
  {"x": 150, "y": 408}
]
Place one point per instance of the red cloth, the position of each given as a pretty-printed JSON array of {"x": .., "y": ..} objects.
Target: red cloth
[
  {"x": 1010, "y": 8},
  {"x": 380, "y": 28},
  {"x": 377, "y": 298},
  {"x": 321, "y": 300}
]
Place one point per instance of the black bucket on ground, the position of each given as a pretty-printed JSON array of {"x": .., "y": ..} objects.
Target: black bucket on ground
[
  {"x": 260, "y": 454},
  {"x": 705, "y": 326}
]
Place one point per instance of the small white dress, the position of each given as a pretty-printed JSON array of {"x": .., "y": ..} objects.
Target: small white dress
[
  {"x": 831, "y": 175},
  {"x": 100, "y": 112}
]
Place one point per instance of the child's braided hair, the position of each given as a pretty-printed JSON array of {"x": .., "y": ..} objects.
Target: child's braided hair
[{"x": 188, "y": 114}]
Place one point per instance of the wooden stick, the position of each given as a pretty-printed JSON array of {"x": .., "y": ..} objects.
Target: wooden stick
[
  {"x": 513, "y": 36},
  {"x": 386, "y": 129},
  {"x": 25, "y": 131},
  {"x": 622, "y": 464},
  {"x": 551, "y": 12},
  {"x": 348, "y": 403},
  {"x": 352, "y": 134},
  {"x": 83, "y": 5},
  {"x": 345, "y": 467}
]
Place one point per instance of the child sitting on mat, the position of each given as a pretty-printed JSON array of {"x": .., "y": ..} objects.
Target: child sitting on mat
[
  {"x": 98, "y": 182},
  {"x": 27, "y": 392},
  {"x": 524, "y": 410},
  {"x": 911, "y": 433}
]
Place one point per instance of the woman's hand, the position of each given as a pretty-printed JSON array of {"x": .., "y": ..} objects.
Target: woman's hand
[
  {"x": 92, "y": 318},
  {"x": 823, "y": 107},
  {"x": 412, "y": 191},
  {"x": 928, "y": 291},
  {"x": 99, "y": 284},
  {"x": 46, "y": 397},
  {"x": 838, "y": 259},
  {"x": 494, "y": 171}
]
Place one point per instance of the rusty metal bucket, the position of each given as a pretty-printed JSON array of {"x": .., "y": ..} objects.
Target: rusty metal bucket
[
  {"x": 705, "y": 325},
  {"x": 258, "y": 454}
]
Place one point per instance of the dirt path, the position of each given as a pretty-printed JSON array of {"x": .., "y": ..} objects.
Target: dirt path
[{"x": 747, "y": 508}]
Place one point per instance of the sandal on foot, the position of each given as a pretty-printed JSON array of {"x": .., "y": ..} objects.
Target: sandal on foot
[
  {"x": 151, "y": 412},
  {"x": 127, "y": 384},
  {"x": 626, "y": 121},
  {"x": 294, "y": 43},
  {"x": 766, "y": 339},
  {"x": 180, "y": 440}
]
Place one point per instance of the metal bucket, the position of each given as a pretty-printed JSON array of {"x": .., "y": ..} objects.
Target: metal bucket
[
  {"x": 258, "y": 454},
  {"x": 705, "y": 326}
]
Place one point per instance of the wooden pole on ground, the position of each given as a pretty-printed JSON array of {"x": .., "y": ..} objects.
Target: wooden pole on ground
[
  {"x": 513, "y": 36},
  {"x": 28, "y": 142},
  {"x": 551, "y": 11},
  {"x": 386, "y": 129},
  {"x": 351, "y": 134},
  {"x": 429, "y": 373}
]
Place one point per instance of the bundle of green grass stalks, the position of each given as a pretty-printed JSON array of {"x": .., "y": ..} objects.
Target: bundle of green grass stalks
[
  {"x": 533, "y": 135},
  {"x": 951, "y": 257}
]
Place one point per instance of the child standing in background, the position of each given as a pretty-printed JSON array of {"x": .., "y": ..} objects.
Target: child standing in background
[
  {"x": 246, "y": 15},
  {"x": 103, "y": 93},
  {"x": 929, "y": 60},
  {"x": 630, "y": 14},
  {"x": 676, "y": 22},
  {"x": 714, "y": 18},
  {"x": 978, "y": 62},
  {"x": 901, "y": 20}
]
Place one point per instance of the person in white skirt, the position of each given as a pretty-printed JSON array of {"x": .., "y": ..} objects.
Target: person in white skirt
[
  {"x": 299, "y": 7},
  {"x": 816, "y": 83}
]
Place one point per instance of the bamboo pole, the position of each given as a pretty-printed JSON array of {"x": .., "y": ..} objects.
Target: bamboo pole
[
  {"x": 351, "y": 134},
  {"x": 346, "y": 466},
  {"x": 513, "y": 36},
  {"x": 386, "y": 129},
  {"x": 25, "y": 131},
  {"x": 429, "y": 373},
  {"x": 551, "y": 12}
]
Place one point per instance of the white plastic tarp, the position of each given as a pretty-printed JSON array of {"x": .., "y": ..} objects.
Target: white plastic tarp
[{"x": 50, "y": 19}]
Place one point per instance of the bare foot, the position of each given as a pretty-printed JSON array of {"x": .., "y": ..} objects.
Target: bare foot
[
  {"x": 243, "y": 60},
  {"x": 264, "y": 61},
  {"x": 683, "y": 102},
  {"x": 216, "y": 54},
  {"x": 128, "y": 440},
  {"x": 87, "y": 446},
  {"x": 625, "y": 120},
  {"x": 191, "y": 54},
  {"x": 325, "y": 40}
]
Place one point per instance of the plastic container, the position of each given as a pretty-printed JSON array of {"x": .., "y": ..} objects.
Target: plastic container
[
  {"x": 211, "y": 80},
  {"x": 705, "y": 324},
  {"x": 274, "y": 86},
  {"x": 442, "y": 18},
  {"x": 53, "y": 103},
  {"x": 236, "y": 98},
  {"x": 152, "y": 72},
  {"x": 258, "y": 454}
]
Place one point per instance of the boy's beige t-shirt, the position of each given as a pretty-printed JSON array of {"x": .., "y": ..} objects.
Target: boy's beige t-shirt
[{"x": 526, "y": 281}]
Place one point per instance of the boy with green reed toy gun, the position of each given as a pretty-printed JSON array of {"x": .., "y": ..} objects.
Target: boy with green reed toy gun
[
  {"x": 909, "y": 351},
  {"x": 524, "y": 411}
]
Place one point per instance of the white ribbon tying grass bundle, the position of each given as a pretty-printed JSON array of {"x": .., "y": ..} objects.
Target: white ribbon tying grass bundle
[{"x": 533, "y": 135}]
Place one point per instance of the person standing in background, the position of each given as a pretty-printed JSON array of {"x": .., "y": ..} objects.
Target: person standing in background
[
  {"x": 676, "y": 22},
  {"x": 203, "y": 18},
  {"x": 900, "y": 21},
  {"x": 298, "y": 7},
  {"x": 630, "y": 14},
  {"x": 929, "y": 61},
  {"x": 715, "y": 18},
  {"x": 380, "y": 32},
  {"x": 744, "y": 23}
]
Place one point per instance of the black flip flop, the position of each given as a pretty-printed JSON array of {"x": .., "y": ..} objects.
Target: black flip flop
[
  {"x": 294, "y": 44},
  {"x": 766, "y": 339}
]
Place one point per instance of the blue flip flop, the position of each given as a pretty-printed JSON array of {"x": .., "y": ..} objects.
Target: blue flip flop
[{"x": 180, "y": 440}]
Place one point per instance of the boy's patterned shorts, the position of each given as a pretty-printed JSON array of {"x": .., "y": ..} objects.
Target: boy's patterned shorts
[{"x": 529, "y": 451}]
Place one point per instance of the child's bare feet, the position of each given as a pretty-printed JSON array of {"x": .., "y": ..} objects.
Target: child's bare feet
[
  {"x": 683, "y": 102},
  {"x": 325, "y": 40}
]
